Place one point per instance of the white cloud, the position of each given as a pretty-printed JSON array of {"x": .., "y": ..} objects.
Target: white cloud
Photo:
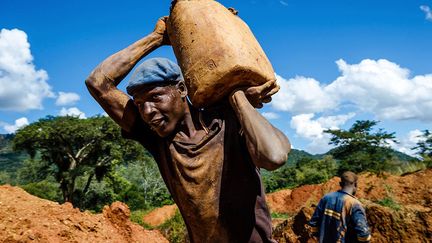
[
  {"x": 67, "y": 99},
  {"x": 380, "y": 87},
  {"x": 407, "y": 142},
  {"x": 73, "y": 111},
  {"x": 384, "y": 89},
  {"x": 283, "y": 3},
  {"x": 19, "y": 123},
  {"x": 305, "y": 127},
  {"x": 22, "y": 87},
  {"x": 313, "y": 130},
  {"x": 301, "y": 95},
  {"x": 270, "y": 115},
  {"x": 426, "y": 9}
]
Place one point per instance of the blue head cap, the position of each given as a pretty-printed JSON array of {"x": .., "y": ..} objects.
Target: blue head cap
[{"x": 154, "y": 71}]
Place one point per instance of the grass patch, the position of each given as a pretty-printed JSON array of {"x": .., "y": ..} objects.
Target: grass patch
[
  {"x": 174, "y": 229},
  {"x": 390, "y": 203},
  {"x": 276, "y": 215},
  {"x": 137, "y": 217},
  {"x": 402, "y": 169}
]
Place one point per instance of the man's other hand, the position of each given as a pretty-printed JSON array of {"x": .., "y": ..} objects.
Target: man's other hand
[
  {"x": 257, "y": 95},
  {"x": 160, "y": 30}
]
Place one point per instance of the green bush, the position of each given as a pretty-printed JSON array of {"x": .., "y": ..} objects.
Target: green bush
[
  {"x": 45, "y": 189},
  {"x": 137, "y": 217},
  {"x": 275, "y": 215},
  {"x": 98, "y": 195},
  {"x": 5, "y": 178},
  {"x": 174, "y": 229},
  {"x": 146, "y": 188},
  {"x": 305, "y": 171},
  {"x": 34, "y": 170},
  {"x": 390, "y": 203},
  {"x": 401, "y": 168}
]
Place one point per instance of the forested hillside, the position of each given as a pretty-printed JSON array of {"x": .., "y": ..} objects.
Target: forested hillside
[{"x": 10, "y": 160}]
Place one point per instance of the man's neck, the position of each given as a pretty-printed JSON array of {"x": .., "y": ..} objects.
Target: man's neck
[
  {"x": 191, "y": 130},
  {"x": 348, "y": 190}
]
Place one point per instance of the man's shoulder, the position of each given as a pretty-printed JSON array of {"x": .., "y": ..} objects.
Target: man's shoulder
[
  {"x": 219, "y": 109},
  {"x": 351, "y": 202},
  {"x": 221, "y": 112},
  {"x": 332, "y": 195},
  {"x": 341, "y": 195}
]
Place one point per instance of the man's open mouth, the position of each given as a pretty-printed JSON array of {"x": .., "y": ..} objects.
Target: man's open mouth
[{"x": 155, "y": 123}]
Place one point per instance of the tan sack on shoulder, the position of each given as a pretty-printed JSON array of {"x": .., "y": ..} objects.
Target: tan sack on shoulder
[{"x": 216, "y": 50}]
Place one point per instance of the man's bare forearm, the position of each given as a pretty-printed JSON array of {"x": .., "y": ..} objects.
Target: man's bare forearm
[
  {"x": 267, "y": 146},
  {"x": 117, "y": 66},
  {"x": 107, "y": 75}
]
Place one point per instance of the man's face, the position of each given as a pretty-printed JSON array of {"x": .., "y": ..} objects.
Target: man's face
[{"x": 161, "y": 107}]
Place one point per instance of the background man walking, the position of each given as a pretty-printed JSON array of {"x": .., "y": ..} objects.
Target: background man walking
[{"x": 339, "y": 216}]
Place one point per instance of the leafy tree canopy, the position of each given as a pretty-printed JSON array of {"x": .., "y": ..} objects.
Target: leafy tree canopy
[
  {"x": 360, "y": 148},
  {"x": 76, "y": 147},
  {"x": 424, "y": 147},
  {"x": 306, "y": 170}
]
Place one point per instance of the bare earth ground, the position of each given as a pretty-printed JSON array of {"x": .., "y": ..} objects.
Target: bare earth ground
[
  {"x": 410, "y": 221},
  {"x": 26, "y": 218},
  {"x": 160, "y": 215}
]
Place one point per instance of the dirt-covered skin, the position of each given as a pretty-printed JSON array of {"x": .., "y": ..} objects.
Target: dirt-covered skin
[
  {"x": 406, "y": 216},
  {"x": 26, "y": 218}
]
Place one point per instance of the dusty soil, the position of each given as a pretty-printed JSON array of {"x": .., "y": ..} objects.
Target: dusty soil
[
  {"x": 159, "y": 215},
  {"x": 26, "y": 218},
  {"x": 412, "y": 193},
  {"x": 414, "y": 189}
]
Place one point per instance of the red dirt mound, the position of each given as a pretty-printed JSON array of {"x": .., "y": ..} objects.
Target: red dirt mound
[
  {"x": 409, "y": 219},
  {"x": 413, "y": 189},
  {"x": 160, "y": 215},
  {"x": 26, "y": 218},
  {"x": 386, "y": 225}
]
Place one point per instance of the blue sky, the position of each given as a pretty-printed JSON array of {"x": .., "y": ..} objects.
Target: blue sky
[{"x": 337, "y": 61}]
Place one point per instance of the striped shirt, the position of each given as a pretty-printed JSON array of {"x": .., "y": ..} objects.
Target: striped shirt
[{"x": 340, "y": 217}]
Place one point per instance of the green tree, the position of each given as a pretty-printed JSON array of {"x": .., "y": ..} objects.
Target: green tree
[
  {"x": 147, "y": 188},
  {"x": 312, "y": 171},
  {"x": 5, "y": 178},
  {"x": 424, "y": 147},
  {"x": 307, "y": 170},
  {"x": 360, "y": 148},
  {"x": 76, "y": 147},
  {"x": 34, "y": 170},
  {"x": 47, "y": 189}
]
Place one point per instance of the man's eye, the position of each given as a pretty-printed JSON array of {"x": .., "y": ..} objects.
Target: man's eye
[{"x": 156, "y": 96}]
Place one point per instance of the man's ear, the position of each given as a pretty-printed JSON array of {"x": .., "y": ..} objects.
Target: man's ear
[{"x": 181, "y": 87}]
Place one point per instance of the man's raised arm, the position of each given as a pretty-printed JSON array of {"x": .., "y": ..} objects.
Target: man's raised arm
[
  {"x": 267, "y": 146},
  {"x": 102, "y": 82}
]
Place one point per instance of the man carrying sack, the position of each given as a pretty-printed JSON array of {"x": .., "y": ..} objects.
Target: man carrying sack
[{"x": 209, "y": 158}]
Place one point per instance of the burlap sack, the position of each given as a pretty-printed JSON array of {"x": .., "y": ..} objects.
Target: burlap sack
[{"x": 215, "y": 49}]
